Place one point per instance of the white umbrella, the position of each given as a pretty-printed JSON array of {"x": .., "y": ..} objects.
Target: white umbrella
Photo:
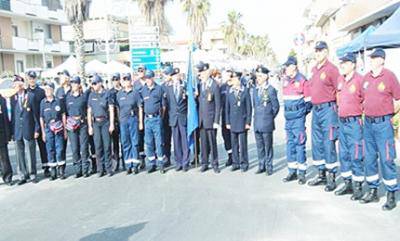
[
  {"x": 96, "y": 66},
  {"x": 71, "y": 64},
  {"x": 117, "y": 67}
]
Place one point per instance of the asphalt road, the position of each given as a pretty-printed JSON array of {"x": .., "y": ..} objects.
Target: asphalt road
[{"x": 189, "y": 207}]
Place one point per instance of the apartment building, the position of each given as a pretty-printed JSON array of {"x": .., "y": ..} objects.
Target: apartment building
[{"x": 31, "y": 36}]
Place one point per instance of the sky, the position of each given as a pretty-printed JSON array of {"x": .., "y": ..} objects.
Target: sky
[{"x": 280, "y": 19}]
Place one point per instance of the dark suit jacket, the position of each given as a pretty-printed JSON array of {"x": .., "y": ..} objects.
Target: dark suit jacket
[
  {"x": 5, "y": 130},
  {"x": 177, "y": 107},
  {"x": 266, "y": 108},
  {"x": 238, "y": 115},
  {"x": 24, "y": 120},
  {"x": 209, "y": 105}
]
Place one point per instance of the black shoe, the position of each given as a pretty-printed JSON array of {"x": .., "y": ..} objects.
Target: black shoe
[
  {"x": 319, "y": 180},
  {"x": 245, "y": 169},
  {"x": 162, "y": 169},
  {"x": 142, "y": 164},
  {"x": 216, "y": 170},
  {"x": 152, "y": 169},
  {"x": 346, "y": 189},
  {"x": 78, "y": 175},
  {"x": 21, "y": 182},
  {"x": 235, "y": 168},
  {"x": 269, "y": 172},
  {"x": 390, "y": 201},
  {"x": 178, "y": 168},
  {"x": 136, "y": 169},
  {"x": 371, "y": 196},
  {"x": 259, "y": 171},
  {"x": 35, "y": 180},
  {"x": 52, "y": 178},
  {"x": 101, "y": 174},
  {"x": 302, "y": 179},
  {"x": 229, "y": 161},
  {"x": 46, "y": 172},
  {"x": 9, "y": 183},
  {"x": 129, "y": 171},
  {"x": 186, "y": 169},
  {"x": 110, "y": 174},
  {"x": 290, "y": 177},
  {"x": 167, "y": 163},
  {"x": 357, "y": 191},
  {"x": 203, "y": 168},
  {"x": 62, "y": 172},
  {"x": 331, "y": 182},
  {"x": 86, "y": 175},
  {"x": 93, "y": 171},
  {"x": 53, "y": 174}
]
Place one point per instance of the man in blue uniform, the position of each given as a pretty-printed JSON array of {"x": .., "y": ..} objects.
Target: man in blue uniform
[
  {"x": 25, "y": 129},
  {"x": 177, "y": 111},
  {"x": 166, "y": 128},
  {"x": 76, "y": 112},
  {"x": 101, "y": 124},
  {"x": 5, "y": 137},
  {"x": 138, "y": 85},
  {"x": 39, "y": 95},
  {"x": 238, "y": 121},
  {"x": 153, "y": 100},
  {"x": 116, "y": 87},
  {"x": 209, "y": 117},
  {"x": 128, "y": 102},
  {"x": 226, "y": 134},
  {"x": 52, "y": 119},
  {"x": 266, "y": 108},
  {"x": 297, "y": 105}
]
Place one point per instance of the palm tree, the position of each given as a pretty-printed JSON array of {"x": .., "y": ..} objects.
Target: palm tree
[
  {"x": 77, "y": 12},
  {"x": 197, "y": 12},
  {"x": 234, "y": 31},
  {"x": 154, "y": 13}
]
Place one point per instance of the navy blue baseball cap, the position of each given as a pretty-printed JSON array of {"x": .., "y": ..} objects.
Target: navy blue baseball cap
[
  {"x": 97, "y": 79},
  {"x": 201, "y": 66},
  {"x": 149, "y": 74},
  {"x": 168, "y": 70},
  {"x": 141, "y": 67},
  {"x": 321, "y": 45},
  {"x": 378, "y": 53},
  {"x": 50, "y": 85},
  {"x": 116, "y": 76},
  {"x": 75, "y": 80},
  {"x": 262, "y": 70},
  {"x": 126, "y": 76},
  {"x": 31, "y": 74},
  {"x": 64, "y": 72},
  {"x": 290, "y": 61},
  {"x": 348, "y": 57}
]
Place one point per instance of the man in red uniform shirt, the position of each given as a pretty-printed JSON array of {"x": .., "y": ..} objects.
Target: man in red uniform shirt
[
  {"x": 380, "y": 87},
  {"x": 324, "y": 118}
]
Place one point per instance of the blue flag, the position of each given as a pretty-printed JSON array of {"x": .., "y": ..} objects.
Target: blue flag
[{"x": 193, "y": 117}]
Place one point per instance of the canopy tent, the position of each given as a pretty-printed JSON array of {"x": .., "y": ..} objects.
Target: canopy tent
[
  {"x": 116, "y": 67},
  {"x": 388, "y": 34},
  {"x": 356, "y": 44},
  {"x": 96, "y": 66},
  {"x": 71, "y": 64}
]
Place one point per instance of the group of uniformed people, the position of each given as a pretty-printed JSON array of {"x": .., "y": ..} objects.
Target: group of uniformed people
[{"x": 143, "y": 116}]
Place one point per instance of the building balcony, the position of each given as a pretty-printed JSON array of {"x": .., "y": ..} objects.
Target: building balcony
[{"x": 35, "y": 45}]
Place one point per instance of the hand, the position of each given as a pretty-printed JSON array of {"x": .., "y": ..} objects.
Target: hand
[
  {"x": 44, "y": 137},
  {"x": 90, "y": 130},
  {"x": 36, "y": 135},
  {"x": 111, "y": 129},
  {"x": 228, "y": 127},
  {"x": 215, "y": 126},
  {"x": 247, "y": 127}
]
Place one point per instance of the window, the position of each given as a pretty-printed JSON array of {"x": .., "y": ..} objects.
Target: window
[
  {"x": 49, "y": 35},
  {"x": 14, "y": 30},
  {"x": 20, "y": 66},
  {"x": 49, "y": 64}
]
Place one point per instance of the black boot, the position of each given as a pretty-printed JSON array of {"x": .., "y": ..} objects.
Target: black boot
[
  {"x": 302, "y": 178},
  {"x": 357, "y": 191},
  {"x": 61, "y": 170},
  {"x": 390, "y": 201},
  {"x": 290, "y": 177},
  {"x": 229, "y": 161},
  {"x": 46, "y": 172},
  {"x": 129, "y": 171},
  {"x": 331, "y": 182},
  {"x": 371, "y": 196},
  {"x": 152, "y": 169},
  {"x": 319, "y": 180},
  {"x": 346, "y": 189},
  {"x": 53, "y": 174}
]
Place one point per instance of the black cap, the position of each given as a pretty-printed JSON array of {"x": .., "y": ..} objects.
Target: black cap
[
  {"x": 291, "y": 61},
  {"x": 97, "y": 79},
  {"x": 31, "y": 74},
  {"x": 321, "y": 45},
  {"x": 50, "y": 85},
  {"x": 348, "y": 57},
  {"x": 126, "y": 76},
  {"x": 378, "y": 53},
  {"x": 262, "y": 70},
  {"x": 116, "y": 76},
  {"x": 202, "y": 66},
  {"x": 64, "y": 72},
  {"x": 18, "y": 78},
  {"x": 75, "y": 80}
]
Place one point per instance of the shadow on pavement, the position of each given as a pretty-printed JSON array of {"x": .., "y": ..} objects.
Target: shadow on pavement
[{"x": 115, "y": 233}]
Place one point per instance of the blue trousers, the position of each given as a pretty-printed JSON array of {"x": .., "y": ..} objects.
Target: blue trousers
[
  {"x": 379, "y": 140},
  {"x": 102, "y": 143},
  {"x": 296, "y": 138},
  {"x": 79, "y": 140},
  {"x": 54, "y": 147},
  {"x": 265, "y": 151},
  {"x": 181, "y": 148},
  {"x": 153, "y": 139},
  {"x": 129, "y": 134},
  {"x": 324, "y": 135},
  {"x": 351, "y": 149},
  {"x": 240, "y": 156}
]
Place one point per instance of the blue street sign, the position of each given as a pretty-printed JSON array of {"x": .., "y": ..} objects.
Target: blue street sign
[{"x": 149, "y": 57}]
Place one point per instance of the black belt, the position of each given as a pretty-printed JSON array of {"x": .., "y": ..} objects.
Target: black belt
[
  {"x": 379, "y": 119},
  {"x": 152, "y": 115},
  {"x": 295, "y": 108},
  {"x": 349, "y": 119},
  {"x": 324, "y": 105}
]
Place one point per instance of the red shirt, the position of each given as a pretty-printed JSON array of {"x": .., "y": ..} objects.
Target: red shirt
[
  {"x": 296, "y": 88},
  {"x": 323, "y": 83},
  {"x": 379, "y": 93},
  {"x": 349, "y": 96}
]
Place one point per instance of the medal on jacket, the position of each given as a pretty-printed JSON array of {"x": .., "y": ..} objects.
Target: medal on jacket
[
  {"x": 183, "y": 94},
  {"x": 265, "y": 97},
  {"x": 238, "y": 97},
  {"x": 209, "y": 96},
  {"x": 25, "y": 105},
  {"x": 1, "y": 110}
]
